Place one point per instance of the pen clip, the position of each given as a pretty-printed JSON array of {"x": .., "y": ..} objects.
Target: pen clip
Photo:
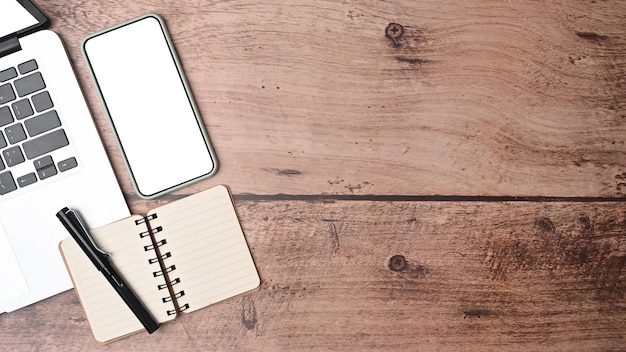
[{"x": 87, "y": 233}]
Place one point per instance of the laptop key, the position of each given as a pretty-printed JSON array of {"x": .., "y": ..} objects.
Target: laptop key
[
  {"x": 45, "y": 167},
  {"x": 6, "y": 93},
  {"x": 42, "y": 123},
  {"x": 22, "y": 109},
  {"x": 3, "y": 142},
  {"x": 46, "y": 172},
  {"x": 43, "y": 162},
  {"x": 5, "y": 116},
  {"x": 15, "y": 133},
  {"x": 27, "y": 179},
  {"x": 29, "y": 84},
  {"x": 45, "y": 144},
  {"x": 8, "y": 74},
  {"x": 67, "y": 164},
  {"x": 13, "y": 156},
  {"x": 42, "y": 101},
  {"x": 28, "y": 66},
  {"x": 7, "y": 183}
]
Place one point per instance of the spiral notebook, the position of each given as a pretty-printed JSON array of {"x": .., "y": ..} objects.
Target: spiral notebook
[{"x": 180, "y": 257}]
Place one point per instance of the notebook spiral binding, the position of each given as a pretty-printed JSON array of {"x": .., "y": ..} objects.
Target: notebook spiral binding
[
  {"x": 169, "y": 269},
  {"x": 147, "y": 218},
  {"x": 182, "y": 308},
  {"x": 177, "y": 295},
  {"x": 147, "y": 233},
  {"x": 172, "y": 283},
  {"x": 161, "y": 257},
  {"x": 163, "y": 269},
  {"x": 151, "y": 247}
]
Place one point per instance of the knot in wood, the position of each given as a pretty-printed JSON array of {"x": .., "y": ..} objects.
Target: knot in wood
[
  {"x": 397, "y": 263},
  {"x": 394, "y": 30}
]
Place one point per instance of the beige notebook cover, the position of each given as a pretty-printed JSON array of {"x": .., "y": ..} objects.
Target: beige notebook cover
[{"x": 181, "y": 257}]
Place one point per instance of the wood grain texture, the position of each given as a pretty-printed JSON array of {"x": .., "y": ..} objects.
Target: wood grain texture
[
  {"x": 402, "y": 276},
  {"x": 487, "y": 98},
  {"x": 333, "y": 139}
]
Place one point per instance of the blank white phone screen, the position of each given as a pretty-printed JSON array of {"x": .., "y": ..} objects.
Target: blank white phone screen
[{"x": 151, "y": 113}]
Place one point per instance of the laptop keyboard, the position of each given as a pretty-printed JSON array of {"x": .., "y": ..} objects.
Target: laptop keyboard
[{"x": 30, "y": 129}]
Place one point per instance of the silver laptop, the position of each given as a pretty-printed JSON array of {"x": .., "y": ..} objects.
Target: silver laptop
[{"x": 51, "y": 156}]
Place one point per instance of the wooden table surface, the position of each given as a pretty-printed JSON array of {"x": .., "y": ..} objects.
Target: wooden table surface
[{"x": 460, "y": 188}]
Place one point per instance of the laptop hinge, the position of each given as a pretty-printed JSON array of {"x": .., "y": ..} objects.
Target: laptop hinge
[{"x": 9, "y": 46}]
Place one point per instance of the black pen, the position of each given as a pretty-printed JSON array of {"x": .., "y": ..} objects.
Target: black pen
[{"x": 73, "y": 223}]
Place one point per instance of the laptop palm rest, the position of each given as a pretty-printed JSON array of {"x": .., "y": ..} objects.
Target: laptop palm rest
[{"x": 13, "y": 282}]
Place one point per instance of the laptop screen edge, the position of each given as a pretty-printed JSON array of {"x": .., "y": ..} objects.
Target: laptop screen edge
[{"x": 42, "y": 20}]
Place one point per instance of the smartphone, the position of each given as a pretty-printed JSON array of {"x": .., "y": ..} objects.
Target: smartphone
[{"x": 148, "y": 102}]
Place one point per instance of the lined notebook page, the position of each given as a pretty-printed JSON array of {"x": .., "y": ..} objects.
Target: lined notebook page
[
  {"x": 207, "y": 247},
  {"x": 107, "y": 313}
]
